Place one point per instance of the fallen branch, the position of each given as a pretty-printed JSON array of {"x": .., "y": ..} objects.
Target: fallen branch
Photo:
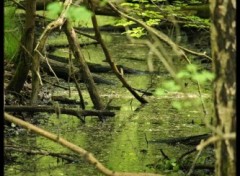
[
  {"x": 62, "y": 71},
  {"x": 70, "y": 111},
  {"x": 64, "y": 100},
  {"x": 64, "y": 156},
  {"x": 83, "y": 153}
]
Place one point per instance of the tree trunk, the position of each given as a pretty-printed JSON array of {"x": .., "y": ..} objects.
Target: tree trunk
[
  {"x": 223, "y": 40},
  {"x": 26, "y": 49},
  {"x": 87, "y": 76}
]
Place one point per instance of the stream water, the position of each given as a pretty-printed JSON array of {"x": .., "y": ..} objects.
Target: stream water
[{"x": 124, "y": 142}]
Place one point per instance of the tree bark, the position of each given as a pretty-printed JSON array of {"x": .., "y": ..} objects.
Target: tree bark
[
  {"x": 25, "y": 50},
  {"x": 87, "y": 76},
  {"x": 36, "y": 79},
  {"x": 223, "y": 41}
]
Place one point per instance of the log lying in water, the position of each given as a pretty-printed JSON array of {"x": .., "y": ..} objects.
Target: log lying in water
[
  {"x": 98, "y": 68},
  {"x": 62, "y": 70},
  {"x": 190, "y": 140},
  {"x": 63, "y": 110}
]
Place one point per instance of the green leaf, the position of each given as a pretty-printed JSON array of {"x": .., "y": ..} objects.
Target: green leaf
[
  {"x": 171, "y": 86},
  {"x": 183, "y": 74},
  {"x": 54, "y": 9},
  {"x": 77, "y": 14},
  {"x": 136, "y": 32},
  {"x": 152, "y": 22},
  {"x": 200, "y": 78},
  {"x": 209, "y": 75},
  {"x": 192, "y": 68},
  {"x": 124, "y": 22}
]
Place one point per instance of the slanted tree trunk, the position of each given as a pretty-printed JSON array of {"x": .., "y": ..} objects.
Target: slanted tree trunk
[
  {"x": 25, "y": 50},
  {"x": 223, "y": 39},
  {"x": 108, "y": 56},
  {"x": 87, "y": 76}
]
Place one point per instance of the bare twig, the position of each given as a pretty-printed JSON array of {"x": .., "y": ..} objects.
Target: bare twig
[
  {"x": 194, "y": 163},
  {"x": 186, "y": 153},
  {"x": 213, "y": 139},
  {"x": 50, "y": 67},
  {"x": 75, "y": 80},
  {"x": 18, "y": 5},
  {"x": 164, "y": 155}
]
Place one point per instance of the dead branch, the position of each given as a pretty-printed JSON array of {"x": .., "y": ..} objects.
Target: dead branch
[
  {"x": 109, "y": 58},
  {"x": 64, "y": 156},
  {"x": 213, "y": 139},
  {"x": 62, "y": 71},
  {"x": 65, "y": 100},
  {"x": 70, "y": 111}
]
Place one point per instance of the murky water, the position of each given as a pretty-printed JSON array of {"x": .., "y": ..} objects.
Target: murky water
[{"x": 121, "y": 143}]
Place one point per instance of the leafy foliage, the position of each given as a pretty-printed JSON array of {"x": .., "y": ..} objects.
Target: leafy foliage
[
  {"x": 74, "y": 13},
  {"x": 54, "y": 9},
  {"x": 136, "y": 32},
  {"x": 153, "y": 14},
  {"x": 190, "y": 72},
  {"x": 77, "y": 14},
  {"x": 11, "y": 33}
]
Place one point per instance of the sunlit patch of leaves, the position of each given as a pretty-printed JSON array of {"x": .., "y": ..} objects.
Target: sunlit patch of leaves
[
  {"x": 77, "y": 14},
  {"x": 74, "y": 13},
  {"x": 152, "y": 22},
  {"x": 133, "y": 5},
  {"x": 124, "y": 22},
  {"x": 197, "y": 22},
  {"x": 54, "y": 9},
  {"x": 191, "y": 72},
  {"x": 136, "y": 32},
  {"x": 151, "y": 14}
]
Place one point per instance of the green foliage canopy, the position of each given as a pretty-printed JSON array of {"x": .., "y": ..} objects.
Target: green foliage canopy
[{"x": 12, "y": 33}]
